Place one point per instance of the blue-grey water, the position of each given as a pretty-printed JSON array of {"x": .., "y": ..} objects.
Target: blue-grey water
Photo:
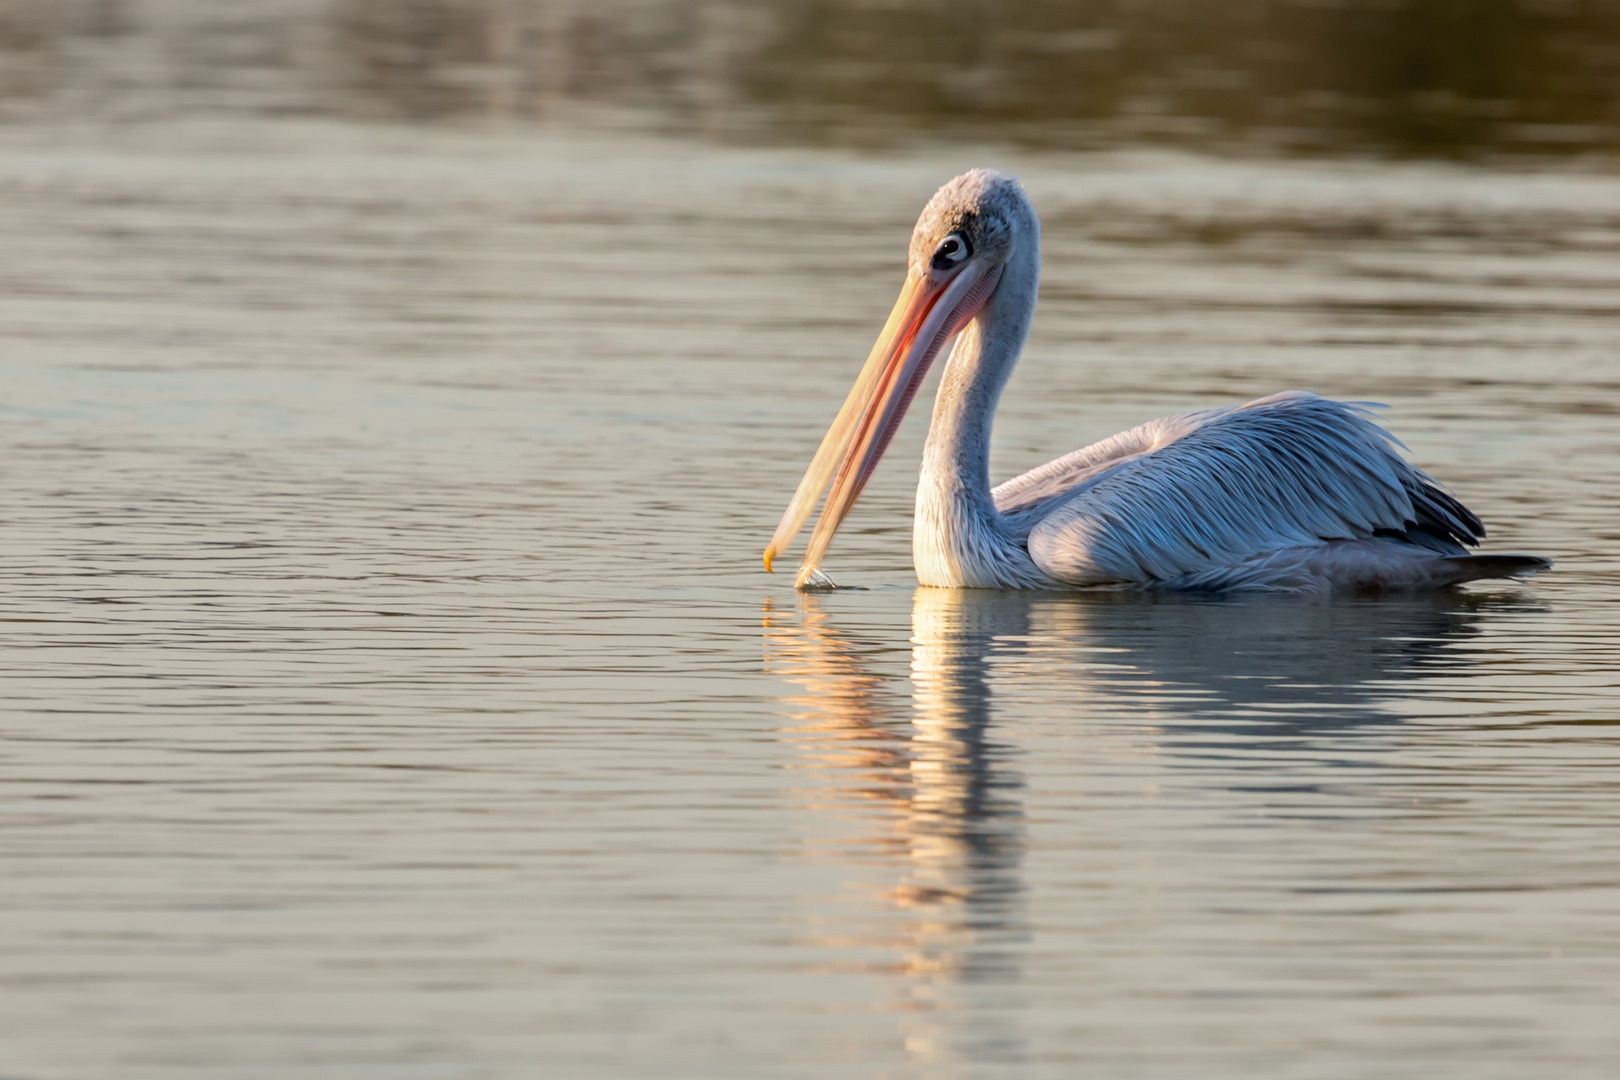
[{"x": 389, "y": 686}]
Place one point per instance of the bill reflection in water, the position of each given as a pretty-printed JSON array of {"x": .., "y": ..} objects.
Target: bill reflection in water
[{"x": 951, "y": 818}]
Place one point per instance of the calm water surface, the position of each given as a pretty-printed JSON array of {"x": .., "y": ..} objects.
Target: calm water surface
[{"x": 391, "y": 688}]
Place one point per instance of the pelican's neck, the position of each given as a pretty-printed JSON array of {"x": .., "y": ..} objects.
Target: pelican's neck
[{"x": 959, "y": 539}]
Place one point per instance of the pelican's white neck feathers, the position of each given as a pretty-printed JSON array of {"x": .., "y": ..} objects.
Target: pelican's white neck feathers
[{"x": 959, "y": 537}]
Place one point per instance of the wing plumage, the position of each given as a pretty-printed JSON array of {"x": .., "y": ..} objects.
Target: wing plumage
[{"x": 1192, "y": 493}]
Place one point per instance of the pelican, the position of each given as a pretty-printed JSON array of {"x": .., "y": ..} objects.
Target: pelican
[{"x": 1292, "y": 492}]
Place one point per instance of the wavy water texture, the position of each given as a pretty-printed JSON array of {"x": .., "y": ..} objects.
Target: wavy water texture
[{"x": 389, "y": 686}]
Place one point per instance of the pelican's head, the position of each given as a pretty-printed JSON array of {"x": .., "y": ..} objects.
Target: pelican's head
[
  {"x": 987, "y": 211},
  {"x": 963, "y": 241}
]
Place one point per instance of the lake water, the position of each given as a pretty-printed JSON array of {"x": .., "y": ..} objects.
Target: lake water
[{"x": 391, "y": 687}]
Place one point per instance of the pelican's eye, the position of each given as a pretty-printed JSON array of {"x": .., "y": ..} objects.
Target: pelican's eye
[{"x": 951, "y": 251}]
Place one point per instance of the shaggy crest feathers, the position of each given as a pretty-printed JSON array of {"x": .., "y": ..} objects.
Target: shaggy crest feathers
[{"x": 990, "y": 209}]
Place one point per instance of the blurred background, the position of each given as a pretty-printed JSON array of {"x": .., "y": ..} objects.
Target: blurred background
[{"x": 1448, "y": 78}]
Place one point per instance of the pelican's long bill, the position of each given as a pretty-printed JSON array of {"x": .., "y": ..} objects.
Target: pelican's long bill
[{"x": 932, "y": 307}]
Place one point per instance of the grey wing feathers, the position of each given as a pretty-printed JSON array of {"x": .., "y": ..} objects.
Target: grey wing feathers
[
  {"x": 1061, "y": 476},
  {"x": 1289, "y": 470}
]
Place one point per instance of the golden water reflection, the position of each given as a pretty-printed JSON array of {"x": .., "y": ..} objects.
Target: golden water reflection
[{"x": 951, "y": 817}]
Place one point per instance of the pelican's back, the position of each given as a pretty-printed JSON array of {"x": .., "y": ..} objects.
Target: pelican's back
[{"x": 1292, "y": 491}]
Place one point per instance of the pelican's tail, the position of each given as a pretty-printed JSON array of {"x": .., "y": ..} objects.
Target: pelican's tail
[{"x": 1475, "y": 567}]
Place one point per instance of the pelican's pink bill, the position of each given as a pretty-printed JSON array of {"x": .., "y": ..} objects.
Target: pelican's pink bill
[{"x": 932, "y": 307}]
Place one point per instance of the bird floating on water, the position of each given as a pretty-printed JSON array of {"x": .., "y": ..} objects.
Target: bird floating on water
[{"x": 1292, "y": 492}]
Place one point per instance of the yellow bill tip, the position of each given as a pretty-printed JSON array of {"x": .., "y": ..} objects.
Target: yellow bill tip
[{"x": 770, "y": 553}]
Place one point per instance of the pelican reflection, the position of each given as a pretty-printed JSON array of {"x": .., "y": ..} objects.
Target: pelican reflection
[{"x": 915, "y": 761}]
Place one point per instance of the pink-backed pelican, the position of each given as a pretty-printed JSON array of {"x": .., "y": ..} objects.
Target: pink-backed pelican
[{"x": 1292, "y": 492}]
